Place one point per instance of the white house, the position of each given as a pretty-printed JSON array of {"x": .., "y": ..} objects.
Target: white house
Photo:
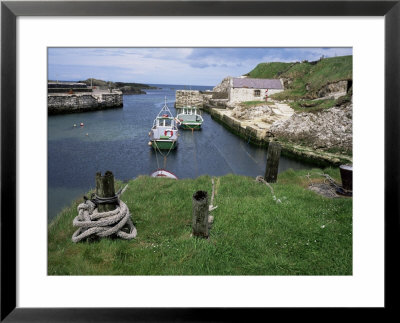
[{"x": 250, "y": 89}]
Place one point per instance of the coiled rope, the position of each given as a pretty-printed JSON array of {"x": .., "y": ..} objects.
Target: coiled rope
[{"x": 91, "y": 222}]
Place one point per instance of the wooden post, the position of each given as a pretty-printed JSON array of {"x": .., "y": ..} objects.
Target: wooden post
[
  {"x": 105, "y": 188},
  {"x": 271, "y": 171},
  {"x": 200, "y": 214}
]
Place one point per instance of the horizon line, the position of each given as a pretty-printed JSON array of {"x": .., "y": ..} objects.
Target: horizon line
[{"x": 144, "y": 83}]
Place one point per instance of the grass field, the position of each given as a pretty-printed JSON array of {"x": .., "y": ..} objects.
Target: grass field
[
  {"x": 253, "y": 233},
  {"x": 312, "y": 106}
]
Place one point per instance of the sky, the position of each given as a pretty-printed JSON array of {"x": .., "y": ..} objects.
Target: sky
[{"x": 182, "y": 66}]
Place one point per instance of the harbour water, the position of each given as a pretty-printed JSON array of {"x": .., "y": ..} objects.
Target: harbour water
[{"x": 117, "y": 140}]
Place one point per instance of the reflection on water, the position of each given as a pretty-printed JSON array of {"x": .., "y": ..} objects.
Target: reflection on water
[{"x": 116, "y": 140}]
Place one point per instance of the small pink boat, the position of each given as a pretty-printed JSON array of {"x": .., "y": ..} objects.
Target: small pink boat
[{"x": 163, "y": 173}]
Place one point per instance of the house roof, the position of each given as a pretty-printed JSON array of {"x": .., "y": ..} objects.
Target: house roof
[{"x": 257, "y": 83}]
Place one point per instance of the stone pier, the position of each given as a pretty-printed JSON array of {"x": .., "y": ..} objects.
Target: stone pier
[
  {"x": 189, "y": 98},
  {"x": 59, "y": 103}
]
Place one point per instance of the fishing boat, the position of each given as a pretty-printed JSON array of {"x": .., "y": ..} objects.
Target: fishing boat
[
  {"x": 164, "y": 133},
  {"x": 188, "y": 117}
]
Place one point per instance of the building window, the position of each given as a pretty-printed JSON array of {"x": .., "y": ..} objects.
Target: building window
[{"x": 257, "y": 93}]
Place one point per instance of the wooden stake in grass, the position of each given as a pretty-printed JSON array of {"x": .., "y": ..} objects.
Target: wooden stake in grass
[
  {"x": 273, "y": 155},
  {"x": 200, "y": 214},
  {"x": 105, "y": 188}
]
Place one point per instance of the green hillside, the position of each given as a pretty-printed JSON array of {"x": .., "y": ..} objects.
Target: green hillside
[
  {"x": 269, "y": 70},
  {"x": 303, "y": 80}
]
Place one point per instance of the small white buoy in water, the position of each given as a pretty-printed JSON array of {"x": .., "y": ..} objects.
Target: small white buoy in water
[
  {"x": 74, "y": 124},
  {"x": 81, "y": 124},
  {"x": 149, "y": 143}
]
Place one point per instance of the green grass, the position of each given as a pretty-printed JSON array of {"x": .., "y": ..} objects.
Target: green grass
[
  {"x": 252, "y": 234},
  {"x": 312, "y": 106},
  {"x": 269, "y": 70},
  {"x": 315, "y": 75},
  {"x": 249, "y": 104},
  {"x": 302, "y": 105}
]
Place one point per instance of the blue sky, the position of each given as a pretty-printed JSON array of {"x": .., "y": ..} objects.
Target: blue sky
[{"x": 184, "y": 66}]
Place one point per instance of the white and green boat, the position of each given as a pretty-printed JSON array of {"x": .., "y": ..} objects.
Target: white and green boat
[
  {"x": 188, "y": 117},
  {"x": 164, "y": 133}
]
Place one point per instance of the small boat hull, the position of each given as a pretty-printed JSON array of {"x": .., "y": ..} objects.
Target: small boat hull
[
  {"x": 163, "y": 144},
  {"x": 162, "y": 173},
  {"x": 188, "y": 126}
]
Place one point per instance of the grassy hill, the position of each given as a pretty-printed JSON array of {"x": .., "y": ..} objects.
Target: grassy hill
[
  {"x": 269, "y": 70},
  {"x": 304, "y": 80},
  {"x": 296, "y": 233}
]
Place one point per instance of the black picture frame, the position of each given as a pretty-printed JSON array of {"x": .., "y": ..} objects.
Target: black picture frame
[{"x": 10, "y": 10}]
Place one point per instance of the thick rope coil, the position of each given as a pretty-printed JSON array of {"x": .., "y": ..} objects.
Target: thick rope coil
[{"x": 91, "y": 222}]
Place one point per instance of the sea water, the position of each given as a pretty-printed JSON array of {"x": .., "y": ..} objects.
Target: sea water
[{"x": 117, "y": 140}]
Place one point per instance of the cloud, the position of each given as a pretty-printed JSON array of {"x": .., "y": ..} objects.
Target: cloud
[{"x": 196, "y": 66}]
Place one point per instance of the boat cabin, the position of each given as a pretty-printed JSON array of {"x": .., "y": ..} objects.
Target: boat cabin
[
  {"x": 164, "y": 128},
  {"x": 189, "y": 114}
]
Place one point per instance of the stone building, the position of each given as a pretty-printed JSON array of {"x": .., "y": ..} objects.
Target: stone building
[{"x": 251, "y": 89}]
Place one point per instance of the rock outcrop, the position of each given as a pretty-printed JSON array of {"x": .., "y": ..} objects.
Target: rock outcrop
[
  {"x": 253, "y": 122},
  {"x": 325, "y": 130},
  {"x": 335, "y": 89},
  {"x": 263, "y": 111},
  {"x": 223, "y": 86},
  {"x": 130, "y": 90}
]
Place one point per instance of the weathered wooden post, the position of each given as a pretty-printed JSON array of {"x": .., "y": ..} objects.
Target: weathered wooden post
[
  {"x": 200, "y": 214},
  {"x": 273, "y": 155},
  {"x": 105, "y": 189}
]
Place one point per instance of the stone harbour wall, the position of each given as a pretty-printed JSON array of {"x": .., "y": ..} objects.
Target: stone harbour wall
[
  {"x": 306, "y": 137},
  {"x": 188, "y": 97},
  {"x": 68, "y": 103},
  {"x": 250, "y": 133}
]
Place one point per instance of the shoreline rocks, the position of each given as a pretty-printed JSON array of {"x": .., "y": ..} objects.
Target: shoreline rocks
[
  {"x": 324, "y": 139},
  {"x": 326, "y": 130}
]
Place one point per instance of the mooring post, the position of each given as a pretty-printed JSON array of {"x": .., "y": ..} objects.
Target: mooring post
[
  {"x": 200, "y": 214},
  {"x": 105, "y": 188},
  {"x": 273, "y": 155},
  {"x": 346, "y": 173}
]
